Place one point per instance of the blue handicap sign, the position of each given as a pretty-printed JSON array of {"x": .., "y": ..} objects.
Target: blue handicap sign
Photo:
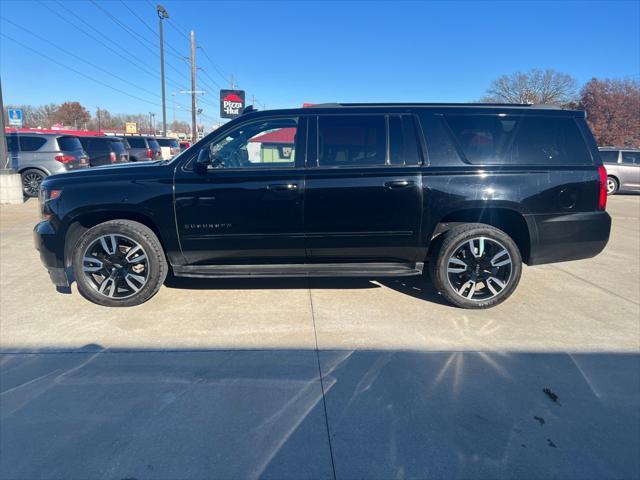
[{"x": 15, "y": 117}]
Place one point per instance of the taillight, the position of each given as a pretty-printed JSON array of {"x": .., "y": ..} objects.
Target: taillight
[
  {"x": 602, "y": 195},
  {"x": 65, "y": 158},
  {"x": 149, "y": 153},
  {"x": 112, "y": 157}
]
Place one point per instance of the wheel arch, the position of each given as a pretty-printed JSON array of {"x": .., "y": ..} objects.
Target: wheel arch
[
  {"x": 84, "y": 222},
  {"x": 512, "y": 222},
  {"x": 34, "y": 167}
]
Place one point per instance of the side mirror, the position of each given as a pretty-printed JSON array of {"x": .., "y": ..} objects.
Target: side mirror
[{"x": 203, "y": 161}]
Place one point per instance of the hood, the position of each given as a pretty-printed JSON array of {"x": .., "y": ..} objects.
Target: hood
[{"x": 154, "y": 168}]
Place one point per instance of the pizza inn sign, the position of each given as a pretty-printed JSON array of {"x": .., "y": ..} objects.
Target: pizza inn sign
[{"x": 231, "y": 103}]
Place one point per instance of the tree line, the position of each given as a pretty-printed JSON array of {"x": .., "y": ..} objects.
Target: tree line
[
  {"x": 75, "y": 116},
  {"x": 612, "y": 105}
]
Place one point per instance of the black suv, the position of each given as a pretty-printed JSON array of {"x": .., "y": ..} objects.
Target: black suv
[
  {"x": 104, "y": 150},
  {"x": 143, "y": 148},
  {"x": 471, "y": 191}
]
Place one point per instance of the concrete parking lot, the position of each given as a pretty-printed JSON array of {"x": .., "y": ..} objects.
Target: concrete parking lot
[{"x": 323, "y": 378}]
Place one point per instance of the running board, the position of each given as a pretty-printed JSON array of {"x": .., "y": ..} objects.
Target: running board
[{"x": 301, "y": 270}]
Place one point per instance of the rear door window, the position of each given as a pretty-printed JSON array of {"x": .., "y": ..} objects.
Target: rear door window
[
  {"x": 403, "y": 145},
  {"x": 609, "y": 156},
  {"x": 69, "y": 143},
  {"x": 351, "y": 140},
  {"x": 519, "y": 140},
  {"x": 137, "y": 142},
  {"x": 31, "y": 144}
]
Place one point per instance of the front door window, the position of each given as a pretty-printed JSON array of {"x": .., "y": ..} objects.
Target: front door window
[{"x": 263, "y": 144}]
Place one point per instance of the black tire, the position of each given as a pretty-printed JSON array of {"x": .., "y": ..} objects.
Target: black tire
[
  {"x": 155, "y": 263},
  {"x": 31, "y": 180},
  {"x": 612, "y": 185},
  {"x": 456, "y": 239}
]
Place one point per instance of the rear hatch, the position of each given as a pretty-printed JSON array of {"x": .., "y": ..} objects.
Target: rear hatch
[
  {"x": 121, "y": 153},
  {"x": 155, "y": 149},
  {"x": 72, "y": 153}
]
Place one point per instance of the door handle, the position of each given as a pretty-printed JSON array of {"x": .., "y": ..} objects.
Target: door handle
[
  {"x": 399, "y": 183},
  {"x": 283, "y": 187}
]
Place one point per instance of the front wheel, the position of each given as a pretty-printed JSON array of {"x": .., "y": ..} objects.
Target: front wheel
[
  {"x": 119, "y": 263},
  {"x": 475, "y": 266}
]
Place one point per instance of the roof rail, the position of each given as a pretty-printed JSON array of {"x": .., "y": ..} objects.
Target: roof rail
[{"x": 418, "y": 104}]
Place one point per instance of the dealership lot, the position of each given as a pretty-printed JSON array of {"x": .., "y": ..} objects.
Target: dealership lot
[{"x": 223, "y": 376}]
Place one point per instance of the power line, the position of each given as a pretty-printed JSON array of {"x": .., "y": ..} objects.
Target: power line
[
  {"x": 139, "y": 64},
  {"x": 136, "y": 36},
  {"x": 62, "y": 49},
  {"x": 77, "y": 71}
]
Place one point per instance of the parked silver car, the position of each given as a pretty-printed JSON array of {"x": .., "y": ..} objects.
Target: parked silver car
[
  {"x": 623, "y": 169},
  {"x": 37, "y": 155}
]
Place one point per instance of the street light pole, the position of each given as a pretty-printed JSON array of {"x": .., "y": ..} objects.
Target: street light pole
[
  {"x": 194, "y": 128},
  {"x": 162, "y": 14}
]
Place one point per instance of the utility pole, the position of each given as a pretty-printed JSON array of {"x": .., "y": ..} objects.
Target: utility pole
[
  {"x": 151, "y": 115},
  {"x": 98, "y": 115},
  {"x": 162, "y": 14},
  {"x": 4, "y": 155},
  {"x": 253, "y": 100},
  {"x": 194, "y": 126},
  {"x": 232, "y": 82}
]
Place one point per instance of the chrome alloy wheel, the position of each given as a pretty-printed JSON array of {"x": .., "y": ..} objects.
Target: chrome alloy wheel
[
  {"x": 116, "y": 266},
  {"x": 479, "y": 268},
  {"x": 31, "y": 183}
]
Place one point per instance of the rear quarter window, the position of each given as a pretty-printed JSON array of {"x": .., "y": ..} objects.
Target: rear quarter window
[
  {"x": 519, "y": 140},
  {"x": 117, "y": 146},
  {"x": 69, "y": 143}
]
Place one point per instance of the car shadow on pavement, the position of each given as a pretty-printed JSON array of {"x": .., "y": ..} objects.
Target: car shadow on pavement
[
  {"x": 152, "y": 413},
  {"x": 415, "y": 286}
]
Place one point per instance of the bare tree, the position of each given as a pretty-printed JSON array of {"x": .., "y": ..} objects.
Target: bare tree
[
  {"x": 533, "y": 87},
  {"x": 613, "y": 111}
]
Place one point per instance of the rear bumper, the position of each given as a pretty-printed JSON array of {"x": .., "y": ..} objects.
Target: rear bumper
[
  {"x": 47, "y": 242},
  {"x": 560, "y": 238}
]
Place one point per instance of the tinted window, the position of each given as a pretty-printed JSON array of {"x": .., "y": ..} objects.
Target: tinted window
[
  {"x": 117, "y": 147},
  {"x": 631, "y": 158},
  {"x": 440, "y": 148},
  {"x": 12, "y": 143},
  {"x": 351, "y": 140},
  {"x": 125, "y": 142},
  {"x": 31, "y": 144},
  {"x": 137, "y": 142},
  {"x": 403, "y": 146},
  {"x": 609, "y": 156},
  {"x": 268, "y": 143},
  {"x": 167, "y": 142},
  {"x": 69, "y": 143},
  {"x": 492, "y": 139},
  {"x": 99, "y": 145},
  {"x": 153, "y": 144}
]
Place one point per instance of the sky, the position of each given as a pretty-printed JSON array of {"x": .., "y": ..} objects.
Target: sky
[{"x": 288, "y": 53}]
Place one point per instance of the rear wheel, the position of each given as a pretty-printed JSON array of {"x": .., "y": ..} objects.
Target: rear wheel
[
  {"x": 475, "y": 266},
  {"x": 119, "y": 263},
  {"x": 612, "y": 185},
  {"x": 31, "y": 180}
]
